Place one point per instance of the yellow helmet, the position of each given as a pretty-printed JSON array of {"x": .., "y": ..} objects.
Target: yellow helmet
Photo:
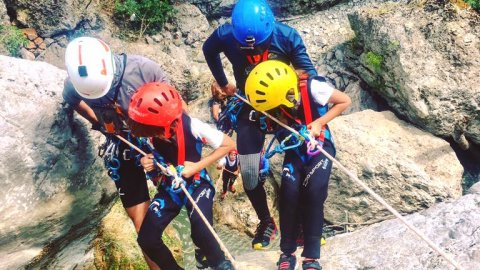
[{"x": 270, "y": 84}]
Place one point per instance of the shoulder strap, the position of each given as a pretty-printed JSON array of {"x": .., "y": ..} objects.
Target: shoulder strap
[
  {"x": 117, "y": 89},
  {"x": 307, "y": 110},
  {"x": 180, "y": 142}
]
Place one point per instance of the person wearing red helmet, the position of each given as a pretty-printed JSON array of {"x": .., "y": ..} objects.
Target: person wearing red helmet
[
  {"x": 99, "y": 86},
  {"x": 175, "y": 138},
  {"x": 230, "y": 169}
]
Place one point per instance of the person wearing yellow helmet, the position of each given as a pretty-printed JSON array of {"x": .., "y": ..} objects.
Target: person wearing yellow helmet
[
  {"x": 275, "y": 87},
  {"x": 253, "y": 36}
]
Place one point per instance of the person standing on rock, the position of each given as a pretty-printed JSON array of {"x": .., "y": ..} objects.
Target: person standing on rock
[
  {"x": 253, "y": 37},
  {"x": 230, "y": 169},
  {"x": 99, "y": 87},
  {"x": 175, "y": 139},
  {"x": 273, "y": 86}
]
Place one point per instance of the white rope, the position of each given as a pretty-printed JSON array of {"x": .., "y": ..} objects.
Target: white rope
[
  {"x": 230, "y": 257},
  {"x": 371, "y": 192}
]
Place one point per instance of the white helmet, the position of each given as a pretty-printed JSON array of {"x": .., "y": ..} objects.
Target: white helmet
[{"x": 90, "y": 66}]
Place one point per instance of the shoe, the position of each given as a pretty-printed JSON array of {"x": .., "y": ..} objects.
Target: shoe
[
  {"x": 266, "y": 232},
  {"x": 225, "y": 265},
  {"x": 311, "y": 264},
  {"x": 232, "y": 189},
  {"x": 287, "y": 262},
  {"x": 202, "y": 262},
  {"x": 223, "y": 195}
]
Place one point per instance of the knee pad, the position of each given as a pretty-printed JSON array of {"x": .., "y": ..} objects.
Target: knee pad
[{"x": 249, "y": 166}]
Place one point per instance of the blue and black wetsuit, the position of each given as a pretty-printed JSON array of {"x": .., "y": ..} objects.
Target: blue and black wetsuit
[
  {"x": 166, "y": 205},
  {"x": 304, "y": 186},
  {"x": 286, "y": 46}
]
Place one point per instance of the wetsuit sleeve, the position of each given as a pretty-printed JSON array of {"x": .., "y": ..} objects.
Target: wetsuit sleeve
[
  {"x": 206, "y": 133},
  {"x": 321, "y": 91},
  {"x": 300, "y": 58},
  {"x": 69, "y": 94},
  {"x": 211, "y": 50}
]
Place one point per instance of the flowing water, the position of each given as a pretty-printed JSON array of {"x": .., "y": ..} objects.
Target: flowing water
[{"x": 236, "y": 243}]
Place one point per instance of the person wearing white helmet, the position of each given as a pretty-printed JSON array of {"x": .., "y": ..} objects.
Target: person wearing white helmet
[{"x": 99, "y": 87}]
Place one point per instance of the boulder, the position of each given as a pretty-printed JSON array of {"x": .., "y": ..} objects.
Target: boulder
[
  {"x": 427, "y": 69},
  {"x": 408, "y": 167},
  {"x": 453, "y": 226},
  {"x": 53, "y": 184}
]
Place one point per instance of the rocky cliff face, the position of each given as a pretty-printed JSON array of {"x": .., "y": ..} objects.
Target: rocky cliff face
[
  {"x": 53, "y": 17},
  {"x": 52, "y": 181},
  {"x": 424, "y": 61}
]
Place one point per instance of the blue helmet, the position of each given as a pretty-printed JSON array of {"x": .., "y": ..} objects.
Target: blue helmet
[{"x": 252, "y": 21}]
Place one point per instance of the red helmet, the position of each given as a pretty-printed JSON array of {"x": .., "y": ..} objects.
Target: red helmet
[
  {"x": 155, "y": 104},
  {"x": 234, "y": 151}
]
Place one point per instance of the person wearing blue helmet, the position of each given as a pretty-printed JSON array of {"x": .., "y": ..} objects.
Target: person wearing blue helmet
[{"x": 253, "y": 37}]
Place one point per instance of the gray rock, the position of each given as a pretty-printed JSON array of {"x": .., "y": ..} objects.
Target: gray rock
[
  {"x": 26, "y": 54},
  {"x": 454, "y": 226},
  {"x": 410, "y": 168},
  {"x": 53, "y": 17},
  {"x": 50, "y": 183},
  {"x": 361, "y": 99},
  {"x": 4, "y": 19},
  {"x": 425, "y": 70}
]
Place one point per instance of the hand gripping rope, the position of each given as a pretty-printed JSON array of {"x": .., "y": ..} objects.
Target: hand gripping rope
[
  {"x": 180, "y": 182},
  {"x": 369, "y": 190}
]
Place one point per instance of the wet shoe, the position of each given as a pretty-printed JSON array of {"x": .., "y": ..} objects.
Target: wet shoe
[
  {"x": 310, "y": 264},
  {"x": 225, "y": 265},
  {"x": 201, "y": 260},
  {"x": 266, "y": 232},
  {"x": 232, "y": 189},
  {"x": 287, "y": 262}
]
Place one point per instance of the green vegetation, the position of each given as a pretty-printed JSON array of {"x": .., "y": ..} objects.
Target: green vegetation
[
  {"x": 143, "y": 16},
  {"x": 374, "y": 60},
  {"x": 475, "y": 4},
  {"x": 12, "y": 39}
]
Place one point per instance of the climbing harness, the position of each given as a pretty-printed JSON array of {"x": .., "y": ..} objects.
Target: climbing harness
[
  {"x": 187, "y": 194},
  {"x": 368, "y": 189},
  {"x": 109, "y": 151},
  {"x": 227, "y": 120}
]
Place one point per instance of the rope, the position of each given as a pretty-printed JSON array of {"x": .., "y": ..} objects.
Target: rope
[
  {"x": 182, "y": 186},
  {"x": 371, "y": 192}
]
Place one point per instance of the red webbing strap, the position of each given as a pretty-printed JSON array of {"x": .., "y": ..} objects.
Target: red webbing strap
[
  {"x": 255, "y": 59},
  {"x": 307, "y": 110},
  {"x": 180, "y": 142}
]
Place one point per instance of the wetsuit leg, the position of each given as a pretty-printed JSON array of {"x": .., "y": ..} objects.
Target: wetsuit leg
[
  {"x": 201, "y": 235},
  {"x": 225, "y": 179},
  {"x": 250, "y": 141},
  {"x": 289, "y": 202},
  {"x": 132, "y": 185},
  {"x": 161, "y": 212},
  {"x": 314, "y": 190}
]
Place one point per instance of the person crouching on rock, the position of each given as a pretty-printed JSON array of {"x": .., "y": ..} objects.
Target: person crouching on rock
[
  {"x": 155, "y": 113},
  {"x": 303, "y": 105},
  {"x": 230, "y": 170}
]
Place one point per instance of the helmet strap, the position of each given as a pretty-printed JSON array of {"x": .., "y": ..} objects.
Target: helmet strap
[{"x": 256, "y": 59}]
